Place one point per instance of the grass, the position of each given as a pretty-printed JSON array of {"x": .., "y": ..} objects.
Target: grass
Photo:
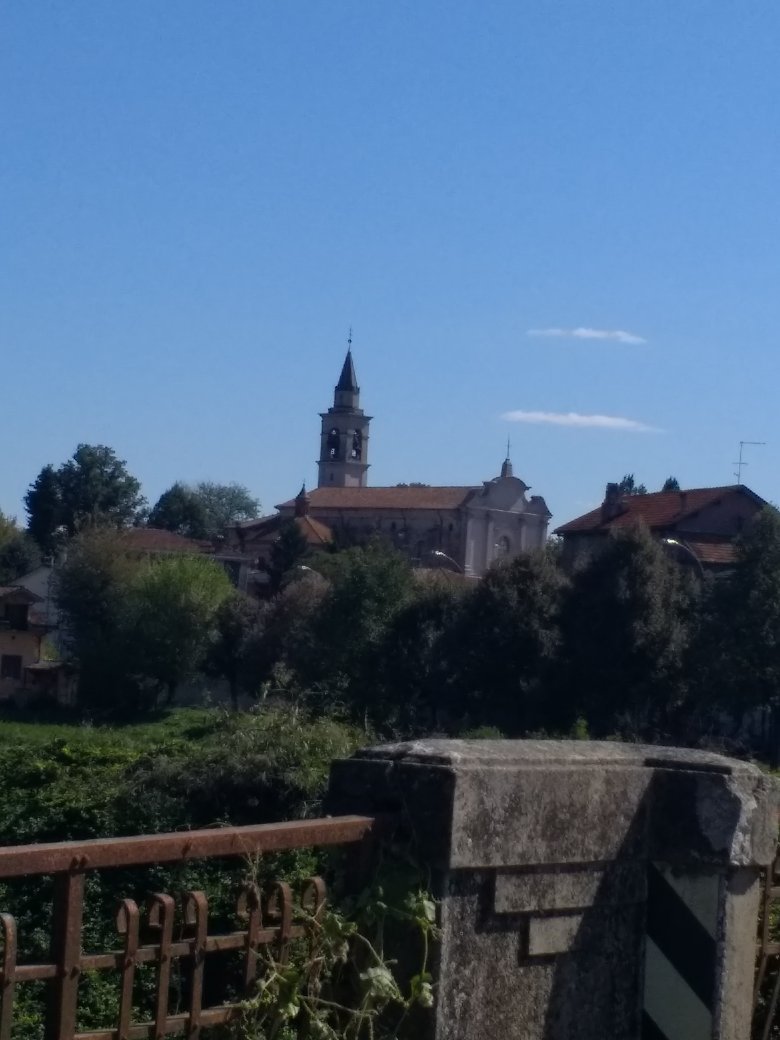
[{"x": 178, "y": 724}]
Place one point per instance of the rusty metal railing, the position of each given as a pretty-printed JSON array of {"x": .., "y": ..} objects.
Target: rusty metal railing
[
  {"x": 766, "y": 995},
  {"x": 268, "y": 915}
]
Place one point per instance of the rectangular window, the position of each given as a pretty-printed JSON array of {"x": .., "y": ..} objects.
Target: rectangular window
[
  {"x": 16, "y": 615},
  {"x": 11, "y": 666}
]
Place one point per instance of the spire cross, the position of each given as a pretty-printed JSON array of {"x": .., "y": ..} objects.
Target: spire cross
[
  {"x": 508, "y": 445},
  {"x": 349, "y": 338}
]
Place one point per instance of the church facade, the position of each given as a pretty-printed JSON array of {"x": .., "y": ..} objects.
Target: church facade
[{"x": 463, "y": 528}]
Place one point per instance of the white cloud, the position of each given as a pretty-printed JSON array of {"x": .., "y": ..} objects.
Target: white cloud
[
  {"x": 616, "y": 335},
  {"x": 602, "y": 422}
]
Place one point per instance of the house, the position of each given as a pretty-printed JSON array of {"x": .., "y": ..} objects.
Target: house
[
  {"x": 25, "y": 672},
  {"x": 698, "y": 524}
]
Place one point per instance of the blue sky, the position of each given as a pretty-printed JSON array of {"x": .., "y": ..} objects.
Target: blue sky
[{"x": 198, "y": 199}]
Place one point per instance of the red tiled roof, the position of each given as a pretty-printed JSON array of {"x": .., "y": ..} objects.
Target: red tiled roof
[
  {"x": 156, "y": 539},
  {"x": 313, "y": 531},
  {"x": 714, "y": 552},
  {"x": 659, "y": 509},
  {"x": 19, "y": 592},
  {"x": 400, "y": 498}
]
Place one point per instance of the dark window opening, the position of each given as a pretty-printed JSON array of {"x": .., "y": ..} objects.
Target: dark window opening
[
  {"x": 11, "y": 666},
  {"x": 357, "y": 445},
  {"x": 16, "y": 615},
  {"x": 333, "y": 443}
]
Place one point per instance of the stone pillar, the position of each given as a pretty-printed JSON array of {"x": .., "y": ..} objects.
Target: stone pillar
[{"x": 588, "y": 891}]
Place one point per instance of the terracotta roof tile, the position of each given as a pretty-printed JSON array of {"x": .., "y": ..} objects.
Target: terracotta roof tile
[
  {"x": 386, "y": 498},
  {"x": 19, "y": 592},
  {"x": 156, "y": 539},
  {"x": 658, "y": 510},
  {"x": 714, "y": 552},
  {"x": 313, "y": 531}
]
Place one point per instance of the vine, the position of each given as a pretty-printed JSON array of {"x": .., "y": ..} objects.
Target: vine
[{"x": 339, "y": 982}]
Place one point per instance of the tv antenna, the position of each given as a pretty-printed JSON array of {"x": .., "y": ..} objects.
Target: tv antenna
[{"x": 740, "y": 463}]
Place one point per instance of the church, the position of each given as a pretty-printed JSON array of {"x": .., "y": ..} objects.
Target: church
[{"x": 464, "y": 528}]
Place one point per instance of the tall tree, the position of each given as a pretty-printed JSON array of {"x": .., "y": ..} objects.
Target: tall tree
[
  {"x": 180, "y": 509},
  {"x": 505, "y": 643},
  {"x": 368, "y": 586},
  {"x": 225, "y": 504},
  {"x": 93, "y": 592},
  {"x": 671, "y": 484},
  {"x": 738, "y": 660},
  {"x": 18, "y": 552},
  {"x": 237, "y": 623},
  {"x": 43, "y": 503},
  {"x": 93, "y": 488},
  {"x": 175, "y": 601},
  {"x": 625, "y": 626}
]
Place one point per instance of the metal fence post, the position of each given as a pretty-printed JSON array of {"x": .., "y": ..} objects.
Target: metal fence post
[{"x": 68, "y": 914}]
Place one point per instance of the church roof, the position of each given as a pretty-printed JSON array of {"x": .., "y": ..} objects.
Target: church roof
[
  {"x": 348, "y": 379},
  {"x": 404, "y": 497}
]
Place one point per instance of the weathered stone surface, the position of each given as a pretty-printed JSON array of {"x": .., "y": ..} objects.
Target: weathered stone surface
[
  {"x": 541, "y": 853},
  {"x": 491, "y": 987},
  {"x": 506, "y": 803},
  {"x": 563, "y": 887}
]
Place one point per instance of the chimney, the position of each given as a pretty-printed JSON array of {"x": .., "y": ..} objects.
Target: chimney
[{"x": 611, "y": 505}]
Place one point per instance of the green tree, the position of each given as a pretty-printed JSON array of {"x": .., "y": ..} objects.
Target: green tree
[
  {"x": 628, "y": 486},
  {"x": 93, "y": 488},
  {"x": 18, "y": 552},
  {"x": 175, "y": 600},
  {"x": 671, "y": 484},
  {"x": 414, "y": 679},
  {"x": 287, "y": 552},
  {"x": 626, "y": 629},
  {"x": 738, "y": 659},
  {"x": 92, "y": 591},
  {"x": 225, "y": 504},
  {"x": 180, "y": 509},
  {"x": 43, "y": 503},
  {"x": 367, "y": 587},
  {"x": 237, "y": 625},
  {"x": 504, "y": 645}
]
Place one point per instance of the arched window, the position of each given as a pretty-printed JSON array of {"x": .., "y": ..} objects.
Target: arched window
[
  {"x": 357, "y": 445},
  {"x": 503, "y": 547},
  {"x": 333, "y": 443}
]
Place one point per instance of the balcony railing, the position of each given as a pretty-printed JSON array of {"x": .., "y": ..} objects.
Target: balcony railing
[{"x": 268, "y": 915}]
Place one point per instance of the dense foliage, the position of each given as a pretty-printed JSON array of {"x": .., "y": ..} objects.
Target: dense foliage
[
  {"x": 191, "y": 769},
  {"x": 630, "y": 641},
  {"x": 92, "y": 488},
  {"x": 203, "y": 510}
]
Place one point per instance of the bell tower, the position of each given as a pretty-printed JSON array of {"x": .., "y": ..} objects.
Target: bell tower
[{"x": 343, "y": 458}]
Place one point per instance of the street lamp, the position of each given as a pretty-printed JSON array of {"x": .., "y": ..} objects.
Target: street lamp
[
  {"x": 443, "y": 556},
  {"x": 685, "y": 548}
]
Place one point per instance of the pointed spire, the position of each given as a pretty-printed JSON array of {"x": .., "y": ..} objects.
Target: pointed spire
[
  {"x": 302, "y": 501},
  {"x": 347, "y": 379},
  {"x": 506, "y": 469}
]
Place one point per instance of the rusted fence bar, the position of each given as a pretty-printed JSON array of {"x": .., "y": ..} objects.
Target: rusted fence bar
[
  {"x": 274, "y": 919},
  {"x": 141, "y": 850}
]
